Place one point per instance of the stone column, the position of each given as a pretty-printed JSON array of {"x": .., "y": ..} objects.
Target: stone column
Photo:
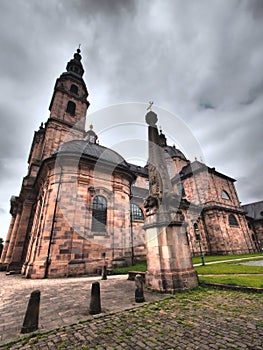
[
  {"x": 16, "y": 261},
  {"x": 12, "y": 238},
  {"x": 169, "y": 264},
  {"x": 8, "y": 238}
]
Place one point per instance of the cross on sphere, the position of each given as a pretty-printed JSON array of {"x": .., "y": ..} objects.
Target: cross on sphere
[{"x": 149, "y": 108}]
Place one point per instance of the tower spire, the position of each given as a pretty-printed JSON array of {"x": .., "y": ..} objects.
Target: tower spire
[{"x": 74, "y": 66}]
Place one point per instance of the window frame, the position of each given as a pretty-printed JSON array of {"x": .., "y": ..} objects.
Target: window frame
[
  {"x": 71, "y": 108},
  {"x": 136, "y": 213},
  {"x": 74, "y": 89},
  {"x": 232, "y": 220},
  {"x": 99, "y": 214},
  {"x": 225, "y": 195}
]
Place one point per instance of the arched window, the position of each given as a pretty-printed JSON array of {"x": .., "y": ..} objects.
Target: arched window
[
  {"x": 136, "y": 213},
  {"x": 232, "y": 220},
  {"x": 74, "y": 89},
  {"x": 225, "y": 195},
  {"x": 71, "y": 108},
  {"x": 99, "y": 214}
]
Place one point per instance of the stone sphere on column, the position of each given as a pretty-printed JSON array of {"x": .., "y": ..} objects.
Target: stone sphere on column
[{"x": 151, "y": 118}]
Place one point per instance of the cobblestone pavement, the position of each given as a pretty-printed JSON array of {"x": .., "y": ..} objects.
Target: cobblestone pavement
[
  {"x": 63, "y": 300},
  {"x": 199, "y": 319}
]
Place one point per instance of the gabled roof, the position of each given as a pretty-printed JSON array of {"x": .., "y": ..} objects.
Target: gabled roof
[
  {"x": 196, "y": 167},
  {"x": 254, "y": 210}
]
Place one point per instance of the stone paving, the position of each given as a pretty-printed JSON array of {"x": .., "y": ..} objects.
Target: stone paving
[
  {"x": 63, "y": 300},
  {"x": 200, "y": 319}
]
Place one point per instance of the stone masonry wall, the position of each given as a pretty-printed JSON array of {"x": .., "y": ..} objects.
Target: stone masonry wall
[{"x": 62, "y": 223}]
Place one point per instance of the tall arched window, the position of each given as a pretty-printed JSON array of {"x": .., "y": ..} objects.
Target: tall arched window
[
  {"x": 232, "y": 220},
  {"x": 225, "y": 195},
  {"x": 99, "y": 214},
  {"x": 74, "y": 89},
  {"x": 136, "y": 212},
  {"x": 71, "y": 108}
]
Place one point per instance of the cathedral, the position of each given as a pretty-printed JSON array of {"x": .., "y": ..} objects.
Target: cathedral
[{"x": 81, "y": 204}]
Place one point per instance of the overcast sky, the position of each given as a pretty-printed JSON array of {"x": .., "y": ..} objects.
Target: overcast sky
[{"x": 200, "y": 60}]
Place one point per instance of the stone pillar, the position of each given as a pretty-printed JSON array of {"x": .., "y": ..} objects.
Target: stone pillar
[
  {"x": 95, "y": 305},
  {"x": 139, "y": 295},
  {"x": 8, "y": 238},
  {"x": 12, "y": 238},
  {"x": 30, "y": 323},
  {"x": 16, "y": 261},
  {"x": 169, "y": 264}
]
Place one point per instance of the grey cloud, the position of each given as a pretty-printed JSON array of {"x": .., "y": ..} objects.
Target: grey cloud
[
  {"x": 104, "y": 7},
  {"x": 201, "y": 60},
  {"x": 256, "y": 8}
]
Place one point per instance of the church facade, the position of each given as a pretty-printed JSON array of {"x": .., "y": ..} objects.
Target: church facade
[{"x": 81, "y": 204}]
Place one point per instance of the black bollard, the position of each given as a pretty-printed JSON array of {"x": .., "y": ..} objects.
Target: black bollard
[
  {"x": 30, "y": 323},
  {"x": 95, "y": 306},
  {"x": 104, "y": 272},
  {"x": 139, "y": 297}
]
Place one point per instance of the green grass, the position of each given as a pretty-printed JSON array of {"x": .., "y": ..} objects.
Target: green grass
[
  {"x": 142, "y": 267},
  {"x": 139, "y": 266},
  {"x": 246, "y": 281},
  {"x": 209, "y": 258},
  {"x": 231, "y": 268},
  {"x": 228, "y": 268}
]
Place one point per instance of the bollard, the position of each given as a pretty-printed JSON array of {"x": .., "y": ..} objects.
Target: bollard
[
  {"x": 139, "y": 297},
  {"x": 104, "y": 272},
  {"x": 30, "y": 323},
  {"x": 95, "y": 306}
]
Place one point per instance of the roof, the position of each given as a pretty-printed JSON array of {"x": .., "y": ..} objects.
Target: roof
[
  {"x": 172, "y": 152},
  {"x": 254, "y": 210},
  {"x": 93, "y": 150},
  {"x": 197, "y": 166},
  {"x": 190, "y": 168},
  {"x": 138, "y": 170}
]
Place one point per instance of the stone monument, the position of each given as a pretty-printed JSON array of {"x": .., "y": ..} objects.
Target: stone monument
[{"x": 169, "y": 263}]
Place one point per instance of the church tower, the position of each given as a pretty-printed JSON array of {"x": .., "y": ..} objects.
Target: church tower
[
  {"x": 68, "y": 109},
  {"x": 66, "y": 122}
]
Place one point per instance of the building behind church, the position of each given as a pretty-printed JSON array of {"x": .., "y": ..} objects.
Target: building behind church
[{"x": 81, "y": 204}]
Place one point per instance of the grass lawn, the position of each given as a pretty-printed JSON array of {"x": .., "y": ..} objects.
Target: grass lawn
[
  {"x": 210, "y": 258},
  {"x": 246, "y": 281},
  {"x": 139, "y": 266},
  {"x": 228, "y": 268}
]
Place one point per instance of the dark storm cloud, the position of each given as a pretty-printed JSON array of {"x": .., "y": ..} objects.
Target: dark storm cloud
[
  {"x": 202, "y": 60},
  {"x": 256, "y": 7},
  {"x": 106, "y": 8}
]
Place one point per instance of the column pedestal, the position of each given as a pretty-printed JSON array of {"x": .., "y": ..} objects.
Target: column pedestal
[{"x": 169, "y": 263}]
